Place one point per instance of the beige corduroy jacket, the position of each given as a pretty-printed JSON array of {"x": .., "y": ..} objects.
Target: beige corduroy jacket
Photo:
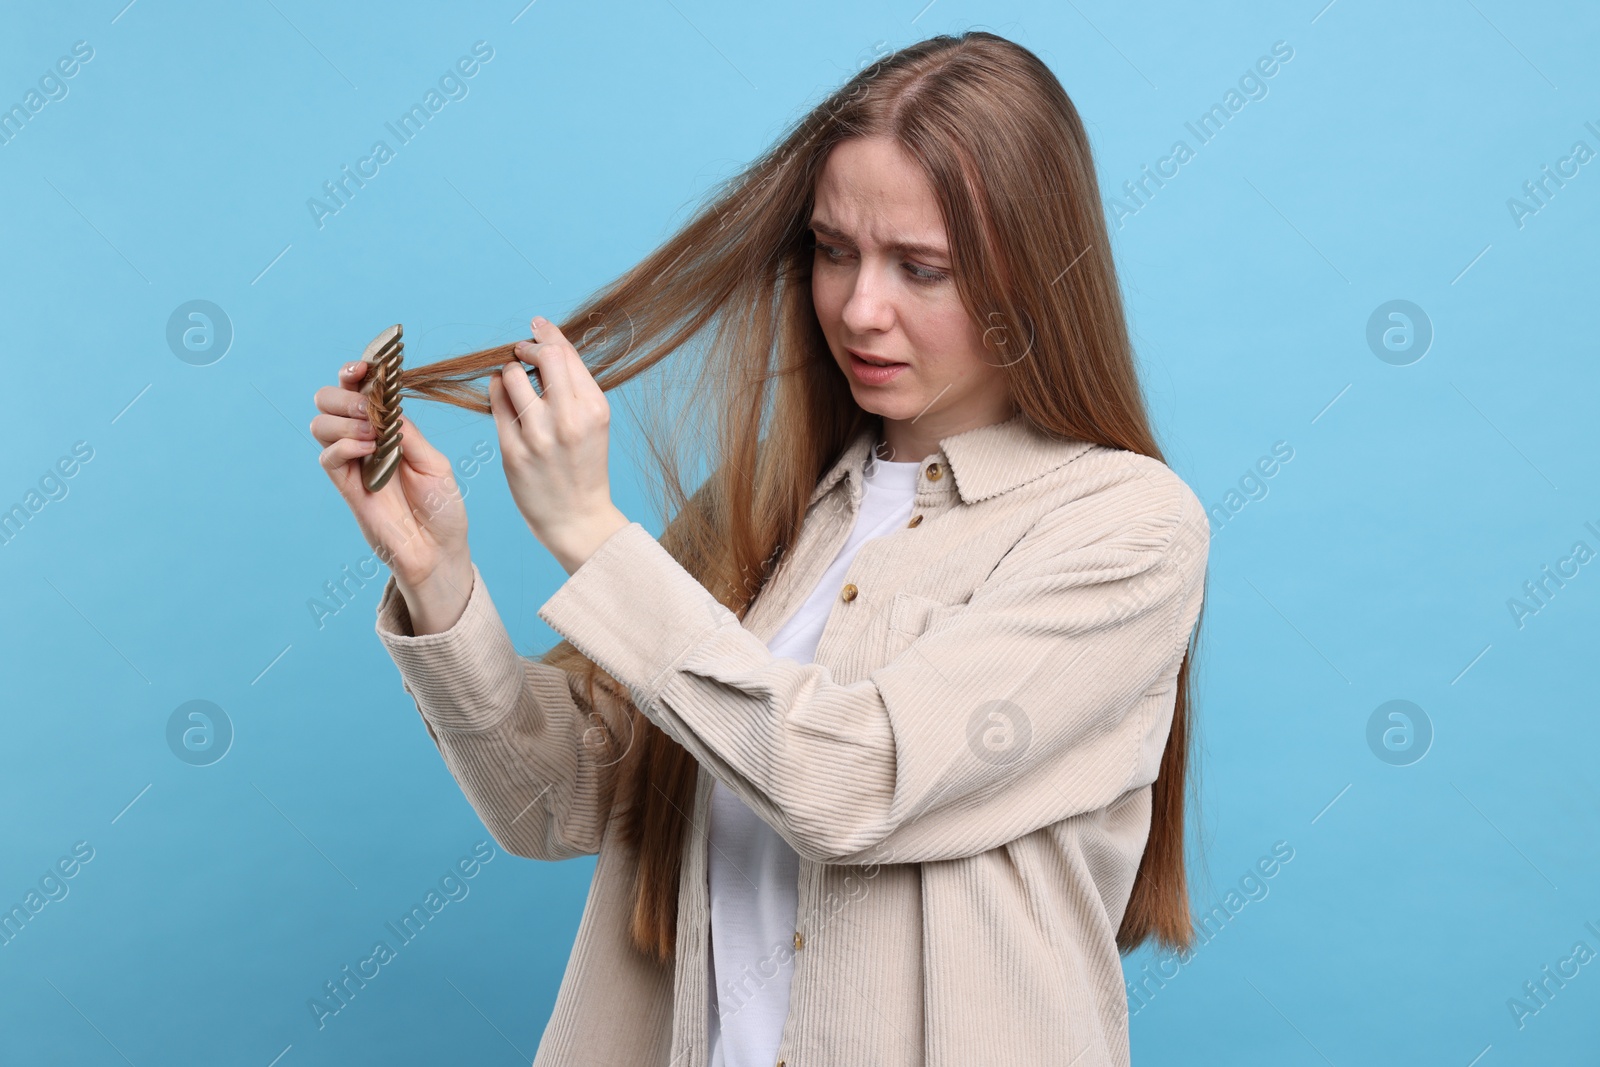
[{"x": 964, "y": 770}]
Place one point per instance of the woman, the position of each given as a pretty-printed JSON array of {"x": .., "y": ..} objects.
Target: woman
[{"x": 882, "y": 745}]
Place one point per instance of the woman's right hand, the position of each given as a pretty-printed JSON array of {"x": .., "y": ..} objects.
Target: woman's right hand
[{"x": 417, "y": 523}]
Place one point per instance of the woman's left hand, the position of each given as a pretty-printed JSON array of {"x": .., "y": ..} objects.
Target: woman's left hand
[{"x": 554, "y": 447}]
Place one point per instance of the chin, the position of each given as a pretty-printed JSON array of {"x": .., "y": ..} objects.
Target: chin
[{"x": 897, "y": 408}]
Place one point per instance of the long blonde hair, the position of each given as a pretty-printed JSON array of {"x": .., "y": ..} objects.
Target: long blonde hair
[{"x": 1008, "y": 159}]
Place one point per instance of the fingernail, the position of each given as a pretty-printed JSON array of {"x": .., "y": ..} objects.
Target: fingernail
[
  {"x": 349, "y": 368},
  {"x": 361, "y": 407},
  {"x": 539, "y": 320}
]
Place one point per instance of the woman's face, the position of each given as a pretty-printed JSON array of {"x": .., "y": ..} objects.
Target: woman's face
[{"x": 881, "y": 283}]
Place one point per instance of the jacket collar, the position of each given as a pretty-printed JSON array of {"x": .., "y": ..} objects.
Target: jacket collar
[{"x": 984, "y": 462}]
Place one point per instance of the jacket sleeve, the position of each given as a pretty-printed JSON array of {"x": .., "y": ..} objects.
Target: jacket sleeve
[
  {"x": 1048, "y": 694},
  {"x": 520, "y": 736}
]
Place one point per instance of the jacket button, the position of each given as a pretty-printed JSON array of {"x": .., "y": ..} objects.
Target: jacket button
[
  {"x": 799, "y": 942},
  {"x": 934, "y": 472},
  {"x": 916, "y": 520},
  {"x": 849, "y": 592}
]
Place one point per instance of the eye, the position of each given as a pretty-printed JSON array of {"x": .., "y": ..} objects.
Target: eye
[
  {"x": 832, "y": 252},
  {"x": 926, "y": 275}
]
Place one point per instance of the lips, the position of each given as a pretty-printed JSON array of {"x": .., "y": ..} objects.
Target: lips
[
  {"x": 871, "y": 375},
  {"x": 867, "y": 357}
]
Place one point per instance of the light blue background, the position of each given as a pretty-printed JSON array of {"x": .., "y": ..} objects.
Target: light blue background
[{"x": 1378, "y": 565}]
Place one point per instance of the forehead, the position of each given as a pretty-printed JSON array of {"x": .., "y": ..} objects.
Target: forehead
[{"x": 877, "y": 194}]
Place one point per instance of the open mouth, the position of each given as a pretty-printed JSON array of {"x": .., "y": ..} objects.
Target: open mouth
[
  {"x": 869, "y": 373},
  {"x": 873, "y": 361}
]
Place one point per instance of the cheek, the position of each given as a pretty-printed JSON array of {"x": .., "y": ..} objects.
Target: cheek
[
  {"x": 951, "y": 344},
  {"x": 828, "y": 299},
  {"x": 948, "y": 316}
]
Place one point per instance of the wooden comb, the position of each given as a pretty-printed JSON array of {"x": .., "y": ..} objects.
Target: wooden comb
[{"x": 383, "y": 356}]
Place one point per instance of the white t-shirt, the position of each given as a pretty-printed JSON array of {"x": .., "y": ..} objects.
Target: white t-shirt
[{"x": 752, "y": 873}]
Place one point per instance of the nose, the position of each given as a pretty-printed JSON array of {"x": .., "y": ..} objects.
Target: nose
[{"x": 869, "y": 308}]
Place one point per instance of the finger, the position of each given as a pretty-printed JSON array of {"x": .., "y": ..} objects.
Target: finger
[
  {"x": 553, "y": 354},
  {"x": 338, "y": 455},
  {"x": 330, "y": 428},
  {"x": 545, "y": 331},
  {"x": 340, "y": 401},
  {"x": 528, "y": 352},
  {"x": 580, "y": 376},
  {"x": 418, "y": 453},
  {"x": 529, "y": 409},
  {"x": 350, "y": 374},
  {"x": 573, "y": 373},
  {"x": 512, "y": 446},
  {"x": 549, "y": 359}
]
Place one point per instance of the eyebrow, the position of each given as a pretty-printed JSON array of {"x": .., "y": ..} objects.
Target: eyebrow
[{"x": 901, "y": 247}]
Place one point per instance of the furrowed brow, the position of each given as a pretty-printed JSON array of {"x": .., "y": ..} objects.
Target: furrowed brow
[{"x": 902, "y": 247}]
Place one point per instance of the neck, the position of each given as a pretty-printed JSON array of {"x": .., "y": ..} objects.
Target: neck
[{"x": 901, "y": 442}]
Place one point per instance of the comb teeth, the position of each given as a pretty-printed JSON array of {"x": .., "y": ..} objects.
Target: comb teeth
[{"x": 383, "y": 356}]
